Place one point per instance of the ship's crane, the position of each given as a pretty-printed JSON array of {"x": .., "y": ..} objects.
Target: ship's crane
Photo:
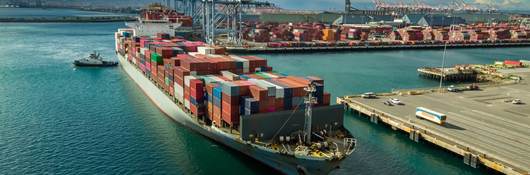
[
  {"x": 348, "y": 7},
  {"x": 309, "y": 102}
]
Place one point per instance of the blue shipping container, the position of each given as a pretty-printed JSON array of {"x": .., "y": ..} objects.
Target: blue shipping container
[{"x": 218, "y": 92}]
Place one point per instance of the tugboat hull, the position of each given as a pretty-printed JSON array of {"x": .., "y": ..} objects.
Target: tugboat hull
[{"x": 105, "y": 64}]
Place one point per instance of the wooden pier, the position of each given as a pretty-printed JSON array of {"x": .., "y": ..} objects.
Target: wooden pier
[
  {"x": 449, "y": 74},
  {"x": 482, "y": 126}
]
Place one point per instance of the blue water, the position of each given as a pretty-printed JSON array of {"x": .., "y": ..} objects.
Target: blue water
[
  {"x": 56, "y": 119},
  {"x": 52, "y": 12}
]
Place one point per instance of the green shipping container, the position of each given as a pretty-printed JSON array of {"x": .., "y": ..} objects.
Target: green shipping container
[
  {"x": 156, "y": 58},
  {"x": 262, "y": 75}
]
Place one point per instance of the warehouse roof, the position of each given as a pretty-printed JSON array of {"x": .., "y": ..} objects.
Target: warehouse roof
[
  {"x": 412, "y": 18},
  {"x": 440, "y": 20}
]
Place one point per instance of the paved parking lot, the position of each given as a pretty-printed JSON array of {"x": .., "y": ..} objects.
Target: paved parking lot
[{"x": 481, "y": 119}]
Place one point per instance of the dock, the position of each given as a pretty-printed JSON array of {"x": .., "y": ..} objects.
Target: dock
[
  {"x": 369, "y": 48},
  {"x": 449, "y": 74},
  {"x": 482, "y": 126},
  {"x": 70, "y": 19}
]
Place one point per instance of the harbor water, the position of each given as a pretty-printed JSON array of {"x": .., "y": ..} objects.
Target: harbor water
[{"x": 57, "y": 119}]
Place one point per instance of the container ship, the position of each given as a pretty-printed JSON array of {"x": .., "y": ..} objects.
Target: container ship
[{"x": 285, "y": 122}]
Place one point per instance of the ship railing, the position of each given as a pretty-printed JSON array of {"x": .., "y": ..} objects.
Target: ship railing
[{"x": 350, "y": 145}]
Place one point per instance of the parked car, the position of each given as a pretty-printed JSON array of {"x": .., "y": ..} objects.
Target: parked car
[
  {"x": 473, "y": 87},
  {"x": 395, "y": 101},
  {"x": 388, "y": 103},
  {"x": 452, "y": 88},
  {"x": 368, "y": 95},
  {"x": 517, "y": 102}
]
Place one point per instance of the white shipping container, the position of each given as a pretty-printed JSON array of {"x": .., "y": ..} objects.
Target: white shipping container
[
  {"x": 280, "y": 91},
  {"x": 187, "y": 80},
  {"x": 271, "y": 89},
  {"x": 187, "y": 104},
  {"x": 212, "y": 79},
  {"x": 229, "y": 75},
  {"x": 206, "y": 50},
  {"x": 179, "y": 92},
  {"x": 246, "y": 63}
]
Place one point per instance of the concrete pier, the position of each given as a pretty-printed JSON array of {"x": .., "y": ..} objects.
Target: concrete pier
[
  {"x": 369, "y": 48},
  {"x": 483, "y": 126}
]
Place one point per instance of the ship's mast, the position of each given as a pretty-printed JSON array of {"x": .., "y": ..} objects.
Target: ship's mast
[{"x": 309, "y": 101}]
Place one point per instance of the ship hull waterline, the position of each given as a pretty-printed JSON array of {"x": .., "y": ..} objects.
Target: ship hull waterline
[{"x": 280, "y": 162}]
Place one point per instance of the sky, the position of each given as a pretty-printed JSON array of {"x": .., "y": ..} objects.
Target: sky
[{"x": 367, "y": 4}]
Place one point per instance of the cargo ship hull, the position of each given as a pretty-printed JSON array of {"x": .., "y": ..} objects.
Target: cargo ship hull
[{"x": 283, "y": 163}]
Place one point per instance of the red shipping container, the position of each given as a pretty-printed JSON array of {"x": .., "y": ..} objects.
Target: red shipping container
[
  {"x": 258, "y": 93},
  {"x": 196, "y": 110},
  {"x": 197, "y": 89},
  {"x": 194, "y": 64},
  {"x": 244, "y": 87},
  {"x": 327, "y": 99},
  {"x": 231, "y": 100},
  {"x": 173, "y": 62},
  {"x": 267, "y": 104},
  {"x": 180, "y": 72},
  {"x": 298, "y": 88},
  {"x": 209, "y": 111},
  {"x": 278, "y": 104},
  {"x": 230, "y": 113},
  {"x": 154, "y": 70},
  {"x": 315, "y": 79},
  {"x": 216, "y": 116}
]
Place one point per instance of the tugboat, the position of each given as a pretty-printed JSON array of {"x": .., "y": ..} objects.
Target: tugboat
[{"x": 94, "y": 60}]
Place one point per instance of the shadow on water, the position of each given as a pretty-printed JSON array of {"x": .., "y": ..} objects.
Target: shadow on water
[{"x": 255, "y": 165}]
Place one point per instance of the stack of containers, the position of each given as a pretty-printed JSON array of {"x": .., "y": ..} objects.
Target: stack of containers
[
  {"x": 169, "y": 67},
  {"x": 197, "y": 97},
  {"x": 160, "y": 78},
  {"x": 267, "y": 103},
  {"x": 230, "y": 103},
  {"x": 255, "y": 62},
  {"x": 178, "y": 75},
  {"x": 260, "y": 95},
  {"x": 187, "y": 93},
  {"x": 240, "y": 85},
  {"x": 242, "y": 63},
  {"x": 168, "y": 52},
  {"x": 191, "y": 46},
  {"x": 198, "y": 65},
  {"x": 297, "y": 92},
  {"x": 251, "y": 106},
  {"x": 217, "y": 92}
]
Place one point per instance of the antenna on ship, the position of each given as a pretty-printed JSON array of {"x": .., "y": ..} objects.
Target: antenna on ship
[{"x": 309, "y": 101}]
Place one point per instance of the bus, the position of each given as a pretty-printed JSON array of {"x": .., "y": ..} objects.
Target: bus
[{"x": 436, "y": 117}]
